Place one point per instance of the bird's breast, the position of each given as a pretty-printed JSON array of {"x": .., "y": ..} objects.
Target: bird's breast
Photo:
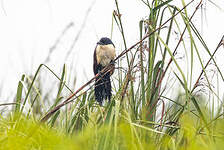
[{"x": 104, "y": 54}]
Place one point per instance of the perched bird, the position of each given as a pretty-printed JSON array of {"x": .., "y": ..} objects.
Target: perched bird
[{"x": 104, "y": 54}]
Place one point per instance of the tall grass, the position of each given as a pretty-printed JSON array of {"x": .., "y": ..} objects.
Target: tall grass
[{"x": 142, "y": 114}]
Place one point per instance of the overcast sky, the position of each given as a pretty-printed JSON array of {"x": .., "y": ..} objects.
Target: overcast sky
[{"x": 29, "y": 28}]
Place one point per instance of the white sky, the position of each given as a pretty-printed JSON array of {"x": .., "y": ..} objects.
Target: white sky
[{"x": 28, "y": 28}]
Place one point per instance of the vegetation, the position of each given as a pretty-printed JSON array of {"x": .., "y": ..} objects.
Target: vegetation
[{"x": 143, "y": 113}]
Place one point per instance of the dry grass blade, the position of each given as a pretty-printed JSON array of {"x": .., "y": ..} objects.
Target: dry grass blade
[
  {"x": 211, "y": 58},
  {"x": 5, "y": 104}
]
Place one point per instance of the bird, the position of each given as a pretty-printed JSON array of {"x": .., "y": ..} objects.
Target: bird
[{"x": 104, "y": 55}]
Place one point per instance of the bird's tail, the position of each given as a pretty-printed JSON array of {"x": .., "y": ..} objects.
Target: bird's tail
[{"x": 103, "y": 88}]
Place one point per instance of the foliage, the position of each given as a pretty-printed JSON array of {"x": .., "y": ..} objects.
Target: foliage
[{"x": 143, "y": 113}]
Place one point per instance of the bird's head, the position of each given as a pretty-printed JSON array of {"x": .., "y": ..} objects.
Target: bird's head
[{"x": 105, "y": 41}]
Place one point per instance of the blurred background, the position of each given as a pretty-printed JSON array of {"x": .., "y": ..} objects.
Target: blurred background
[{"x": 66, "y": 31}]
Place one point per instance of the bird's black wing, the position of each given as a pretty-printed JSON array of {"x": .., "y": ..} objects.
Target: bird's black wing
[{"x": 95, "y": 68}]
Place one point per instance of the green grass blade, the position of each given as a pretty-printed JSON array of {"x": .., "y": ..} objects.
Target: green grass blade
[{"x": 19, "y": 94}]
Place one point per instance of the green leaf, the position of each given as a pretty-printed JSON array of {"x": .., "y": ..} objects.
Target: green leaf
[
  {"x": 161, "y": 5},
  {"x": 19, "y": 94}
]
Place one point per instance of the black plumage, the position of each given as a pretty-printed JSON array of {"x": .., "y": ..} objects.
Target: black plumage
[{"x": 103, "y": 55}]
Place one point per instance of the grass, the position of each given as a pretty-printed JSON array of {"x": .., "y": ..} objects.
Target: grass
[{"x": 143, "y": 113}]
